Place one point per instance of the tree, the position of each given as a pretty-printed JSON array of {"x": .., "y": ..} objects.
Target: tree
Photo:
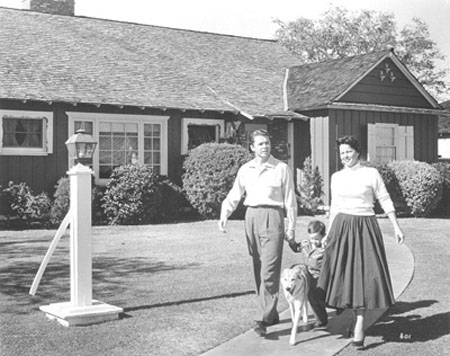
[
  {"x": 310, "y": 188},
  {"x": 340, "y": 33}
]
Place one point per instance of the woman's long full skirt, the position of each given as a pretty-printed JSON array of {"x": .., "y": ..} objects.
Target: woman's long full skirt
[{"x": 355, "y": 273}]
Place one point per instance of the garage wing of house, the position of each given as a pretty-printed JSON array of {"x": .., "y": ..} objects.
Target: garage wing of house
[{"x": 373, "y": 97}]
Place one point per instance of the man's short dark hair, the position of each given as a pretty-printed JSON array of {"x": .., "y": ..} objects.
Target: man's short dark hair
[{"x": 258, "y": 132}]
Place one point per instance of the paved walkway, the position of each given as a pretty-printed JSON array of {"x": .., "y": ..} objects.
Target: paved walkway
[{"x": 327, "y": 342}]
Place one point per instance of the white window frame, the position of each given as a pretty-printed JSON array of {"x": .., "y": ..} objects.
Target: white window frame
[
  {"x": 96, "y": 118},
  {"x": 404, "y": 141},
  {"x": 47, "y": 133},
  {"x": 185, "y": 122}
]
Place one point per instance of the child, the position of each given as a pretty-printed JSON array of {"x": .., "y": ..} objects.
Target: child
[{"x": 312, "y": 255}]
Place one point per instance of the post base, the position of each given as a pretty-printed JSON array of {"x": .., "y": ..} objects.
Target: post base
[{"x": 70, "y": 315}]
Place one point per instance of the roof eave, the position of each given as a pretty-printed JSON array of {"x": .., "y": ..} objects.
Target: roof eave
[
  {"x": 383, "y": 108},
  {"x": 121, "y": 106}
]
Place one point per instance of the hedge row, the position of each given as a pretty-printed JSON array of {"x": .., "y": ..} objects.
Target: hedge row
[
  {"x": 135, "y": 195},
  {"x": 417, "y": 188}
]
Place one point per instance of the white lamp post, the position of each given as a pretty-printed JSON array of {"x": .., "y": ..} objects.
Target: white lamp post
[
  {"x": 81, "y": 146},
  {"x": 82, "y": 309}
]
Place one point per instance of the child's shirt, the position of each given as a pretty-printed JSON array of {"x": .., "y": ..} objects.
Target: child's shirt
[{"x": 311, "y": 256}]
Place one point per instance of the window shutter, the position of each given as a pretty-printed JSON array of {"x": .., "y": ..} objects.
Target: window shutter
[
  {"x": 410, "y": 142},
  {"x": 405, "y": 143},
  {"x": 371, "y": 142},
  {"x": 400, "y": 143}
]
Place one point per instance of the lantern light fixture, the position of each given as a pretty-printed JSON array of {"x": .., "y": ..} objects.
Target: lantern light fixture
[{"x": 81, "y": 147}]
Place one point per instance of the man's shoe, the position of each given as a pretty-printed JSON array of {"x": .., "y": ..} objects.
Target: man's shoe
[
  {"x": 319, "y": 326},
  {"x": 275, "y": 322},
  {"x": 260, "y": 328}
]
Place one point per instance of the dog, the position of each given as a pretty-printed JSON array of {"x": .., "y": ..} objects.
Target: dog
[{"x": 295, "y": 284}]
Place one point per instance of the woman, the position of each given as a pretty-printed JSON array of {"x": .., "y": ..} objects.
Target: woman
[{"x": 354, "y": 272}]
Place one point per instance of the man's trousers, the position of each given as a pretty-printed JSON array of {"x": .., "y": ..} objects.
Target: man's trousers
[{"x": 264, "y": 230}]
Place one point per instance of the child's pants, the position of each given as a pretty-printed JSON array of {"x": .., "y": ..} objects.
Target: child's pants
[{"x": 317, "y": 301}]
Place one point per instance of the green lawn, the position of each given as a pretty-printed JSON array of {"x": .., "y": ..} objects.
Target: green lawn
[{"x": 187, "y": 287}]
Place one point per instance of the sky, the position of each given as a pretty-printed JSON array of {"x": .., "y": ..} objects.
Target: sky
[{"x": 254, "y": 18}]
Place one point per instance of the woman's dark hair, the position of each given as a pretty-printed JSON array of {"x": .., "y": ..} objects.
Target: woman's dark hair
[
  {"x": 351, "y": 141},
  {"x": 259, "y": 132}
]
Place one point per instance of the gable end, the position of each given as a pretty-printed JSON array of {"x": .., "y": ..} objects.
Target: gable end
[{"x": 386, "y": 84}]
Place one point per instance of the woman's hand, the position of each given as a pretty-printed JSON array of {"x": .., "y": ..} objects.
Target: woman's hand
[{"x": 399, "y": 235}]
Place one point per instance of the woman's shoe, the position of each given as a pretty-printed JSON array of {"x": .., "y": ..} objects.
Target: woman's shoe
[{"x": 359, "y": 343}]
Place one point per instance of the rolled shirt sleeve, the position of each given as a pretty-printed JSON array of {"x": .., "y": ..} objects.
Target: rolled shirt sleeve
[{"x": 234, "y": 196}]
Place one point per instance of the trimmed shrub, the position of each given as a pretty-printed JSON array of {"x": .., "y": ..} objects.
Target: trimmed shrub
[
  {"x": 444, "y": 170},
  {"x": 392, "y": 186},
  {"x": 210, "y": 171},
  {"x": 132, "y": 196},
  {"x": 420, "y": 184},
  {"x": 61, "y": 200},
  {"x": 173, "y": 200},
  {"x": 310, "y": 189},
  {"x": 98, "y": 215},
  {"x": 26, "y": 206}
]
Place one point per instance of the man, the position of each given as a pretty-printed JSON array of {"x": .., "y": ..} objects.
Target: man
[{"x": 268, "y": 186}]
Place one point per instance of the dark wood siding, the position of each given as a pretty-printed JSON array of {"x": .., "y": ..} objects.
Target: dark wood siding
[
  {"x": 39, "y": 172},
  {"x": 302, "y": 142},
  {"x": 354, "y": 122},
  {"x": 42, "y": 172},
  {"x": 372, "y": 90}
]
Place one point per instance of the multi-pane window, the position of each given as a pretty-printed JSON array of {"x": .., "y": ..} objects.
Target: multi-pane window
[
  {"x": 389, "y": 142},
  {"x": 22, "y": 133},
  {"x": 122, "y": 140},
  {"x": 152, "y": 146},
  {"x": 385, "y": 144},
  {"x": 118, "y": 146},
  {"x": 26, "y": 132}
]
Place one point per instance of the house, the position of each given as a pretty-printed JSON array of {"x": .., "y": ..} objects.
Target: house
[
  {"x": 145, "y": 93},
  {"x": 373, "y": 97},
  {"x": 148, "y": 94},
  {"x": 444, "y": 132}
]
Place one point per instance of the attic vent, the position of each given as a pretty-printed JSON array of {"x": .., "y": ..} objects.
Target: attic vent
[{"x": 55, "y": 7}]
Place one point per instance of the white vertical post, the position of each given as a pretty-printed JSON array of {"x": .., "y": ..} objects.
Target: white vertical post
[
  {"x": 80, "y": 236},
  {"x": 82, "y": 309}
]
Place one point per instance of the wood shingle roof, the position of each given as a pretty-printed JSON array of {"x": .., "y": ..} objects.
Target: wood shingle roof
[
  {"x": 84, "y": 60},
  {"x": 316, "y": 85}
]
